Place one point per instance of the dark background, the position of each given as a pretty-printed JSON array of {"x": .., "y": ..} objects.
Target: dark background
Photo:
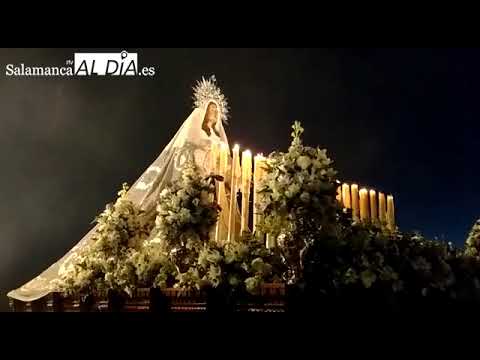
[{"x": 403, "y": 121}]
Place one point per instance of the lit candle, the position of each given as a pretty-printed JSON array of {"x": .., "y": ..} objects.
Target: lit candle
[
  {"x": 222, "y": 196},
  {"x": 364, "y": 213},
  {"x": 233, "y": 193},
  {"x": 355, "y": 206},
  {"x": 382, "y": 209},
  {"x": 373, "y": 206},
  {"x": 246, "y": 182},
  {"x": 258, "y": 173},
  {"x": 346, "y": 196},
  {"x": 390, "y": 213},
  {"x": 339, "y": 194}
]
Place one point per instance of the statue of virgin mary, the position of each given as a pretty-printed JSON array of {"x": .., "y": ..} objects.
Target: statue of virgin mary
[{"x": 193, "y": 141}]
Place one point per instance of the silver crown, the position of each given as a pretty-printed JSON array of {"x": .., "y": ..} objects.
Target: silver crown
[{"x": 207, "y": 90}]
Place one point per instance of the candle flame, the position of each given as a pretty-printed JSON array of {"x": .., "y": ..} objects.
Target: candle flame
[
  {"x": 236, "y": 147},
  {"x": 247, "y": 153}
]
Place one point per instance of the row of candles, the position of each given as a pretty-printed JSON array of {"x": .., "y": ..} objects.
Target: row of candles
[
  {"x": 366, "y": 206},
  {"x": 240, "y": 178}
]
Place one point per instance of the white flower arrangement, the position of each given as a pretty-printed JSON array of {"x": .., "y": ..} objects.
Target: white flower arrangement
[
  {"x": 104, "y": 263},
  {"x": 299, "y": 181},
  {"x": 187, "y": 212},
  {"x": 297, "y": 197},
  {"x": 118, "y": 257},
  {"x": 186, "y": 209},
  {"x": 472, "y": 244},
  {"x": 243, "y": 264}
]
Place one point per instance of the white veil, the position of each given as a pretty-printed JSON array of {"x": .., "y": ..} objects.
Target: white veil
[{"x": 190, "y": 140}]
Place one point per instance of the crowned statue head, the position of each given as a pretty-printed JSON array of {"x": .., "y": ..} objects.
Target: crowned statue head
[{"x": 209, "y": 98}]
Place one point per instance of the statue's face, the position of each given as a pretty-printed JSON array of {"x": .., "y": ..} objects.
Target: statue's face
[{"x": 212, "y": 114}]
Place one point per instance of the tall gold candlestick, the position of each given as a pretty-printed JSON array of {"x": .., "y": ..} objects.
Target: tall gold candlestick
[
  {"x": 246, "y": 182},
  {"x": 355, "y": 200},
  {"x": 346, "y": 196},
  {"x": 233, "y": 193},
  {"x": 222, "y": 170},
  {"x": 364, "y": 213},
  {"x": 382, "y": 209},
  {"x": 390, "y": 213},
  {"x": 258, "y": 173},
  {"x": 373, "y": 206}
]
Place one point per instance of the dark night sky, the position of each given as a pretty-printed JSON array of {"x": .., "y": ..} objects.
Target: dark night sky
[{"x": 404, "y": 121}]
